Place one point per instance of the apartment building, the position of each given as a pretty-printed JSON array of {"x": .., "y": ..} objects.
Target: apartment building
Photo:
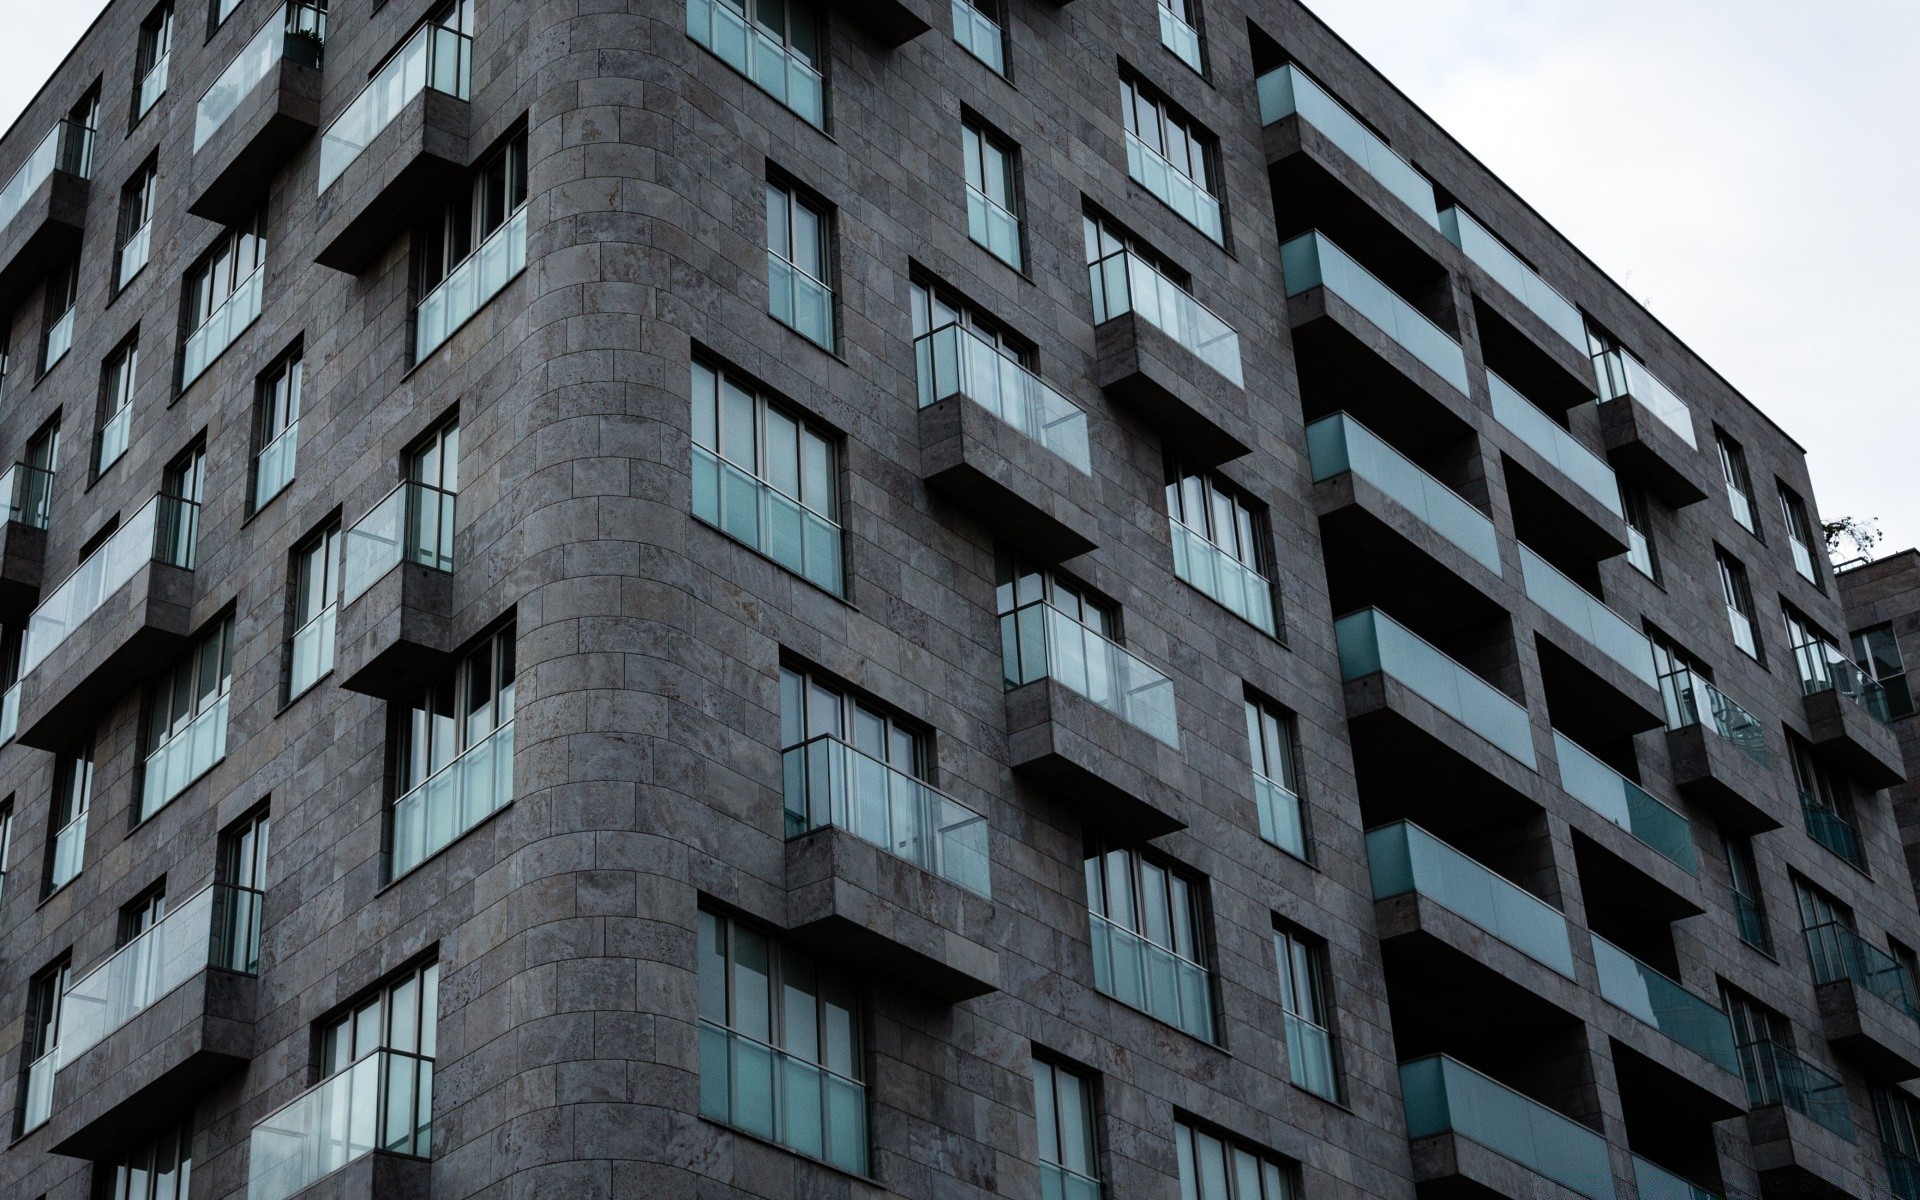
[{"x": 830, "y": 599}]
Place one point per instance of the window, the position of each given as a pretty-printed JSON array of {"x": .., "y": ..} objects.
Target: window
[
  {"x": 222, "y": 295},
  {"x": 6, "y": 843},
  {"x": 32, "y": 503},
  {"x": 1793, "y": 514},
  {"x": 1826, "y": 803},
  {"x": 453, "y": 753},
  {"x": 1749, "y": 911},
  {"x": 117, "y": 378},
  {"x": 471, "y": 249},
  {"x": 1818, "y": 658},
  {"x": 133, "y": 236},
  {"x": 276, "y": 428},
  {"x": 72, "y": 799},
  {"x": 1271, "y": 734},
  {"x": 1733, "y": 466},
  {"x": 394, "y": 1033},
  {"x": 1898, "y": 1116},
  {"x": 779, "y": 44},
  {"x": 242, "y": 868},
  {"x": 1126, "y": 277},
  {"x": 1213, "y": 1168},
  {"x": 1220, "y": 545},
  {"x": 1180, "y": 32},
  {"x": 1878, "y": 653},
  {"x": 993, "y": 218},
  {"x": 780, "y": 1054},
  {"x": 977, "y": 27},
  {"x": 800, "y": 293},
  {"x": 150, "y": 60},
  {"x": 158, "y": 1170},
  {"x": 44, "y": 995},
  {"x": 183, "y": 484},
  {"x": 1172, "y": 157},
  {"x": 1311, "y": 1058},
  {"x": 1640, "y": 550},
  {"x": 766, "y": 477},
  {"x": 1760, "y": 1035},
  {"x": 1739, "y": 601},
  {"x": 63, "y": 300},
  {"x": 219, "y": 12},
  {"x": 6, "y": 355},
  {"x": 187, "y": 719},
  {"x": 1149, "y": 949},
  {"x": 316, "y": 592},
  {"x": 1063, "y": 1109}
]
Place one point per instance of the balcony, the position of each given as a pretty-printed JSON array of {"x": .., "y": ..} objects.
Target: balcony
[
  {"x": 28, "y": 494},
  {"x": 773, "y": 68},
  {"x": 882, "y": 869},
  {"x": 1473, "y": 1133},
  {"x": 451, "y": 801},
  {"x": 221, "y": 328},
  {"x": 1590, "y": 656},
  {"x": 480, "y": 277},
  {"x": 1867, "y": 1008},
  {"x": 1405, "y": 860},
  {"x": 1160, "y": 352},
  {"x": 162, "y": 1018},
  {"x": 1340, "y": 445},
  {"x": 133, "y": 595},
  {"x": 397, "y": 146},
  {"x": 1189, "y": 200},
  {"x": 43, "y": 209},
  {"x": 1634, "y": 987},
  {"x": 1143, "y": 974},
  {"x": 374, "y": 1119},
  {"x": 1654, "y": 1182},
  {"x": 1648, "y": 431},
  {"x": 1077, "y": 707},
  {"x": 1527, "y": 326},
  {"x": 1000, "y": 442},
  {"x": 1223, "y": 578},
  {"x": 1312, "y": 125},
  {"x": 1719, "y": 754},
  {"x": 396, "y": 620},
  {"x": 1565, "y": 497},
  {"x": 1801, "y": 1125},
  {"x": 1847, "y": 717},
  {"x": 257, "y": 113},
  {"x": 1521, "y": 281},
  {"x": 1661, "y": 827}
]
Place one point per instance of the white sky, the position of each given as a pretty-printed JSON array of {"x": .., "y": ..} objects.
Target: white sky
[{"x": 1746, "y": 168}]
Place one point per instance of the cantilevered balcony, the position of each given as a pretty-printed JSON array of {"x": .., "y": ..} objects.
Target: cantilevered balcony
[
  {"x": 371, "y": 1123},
  {"x": 1661, "y": 827},
  {"x": 122, "y": 614},
  {"x": 1473, "y": 1135},
  {"x": 996, "y": 439},
  {"x": 43, "y": 208},
  {"x": 1565, "y": 497},
  {"x": 1341, "y": 445},
  {"x": 1525, "y": 324},
  {"x": 396, "y": 622},
  {"x": 1649, "y": 431},
  {"x": 1163, "y": 354},
  {"x": 1591, "y": 657},
  {"x": 1847, "y": 716},
  {"x": 396, "y": 146},
  {"x": 27, "y": 493},
  {"x": 1719, "y": 753},
  {"x": 260, "y": 109},
  {"x": 1406, "y": 860},
  {"x": 1078, "y": 706},
  {"x": 1867, "y": 1005},
  {"x": 1801, "y": 1124},
  {"x": 165, "y": 1015},
  {"x": 883, "y": 869},
  {"x": 1287, "y": 92}
]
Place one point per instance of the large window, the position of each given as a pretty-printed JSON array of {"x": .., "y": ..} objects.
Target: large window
[
  {"x": 117, "y": 378},
  {"x": 1273, "y": 739},
  {"x": 1733, "y": 468},
  {"x": 187, "y": 719},
  {"x": 1738, "y": 596},
  {"x": 453, "y": 754},
  {"x": 1149, "y": 940},
  {"x": 276, "y": 428},
  {"x": 63, "y": 301},
  {"x": 316, "y": 596},
  {"x": 993, "y": 202},
  {"x": 159, "y": 1169},
  {"x": 1898, "y": 1116},
  {"x": 1213, "y": 1168},
  {"x": 1172, "y": 157},
  {"x": 1069, "y": 1155},
  {"x": 151, "y": 58},
  {"x": 1749, "y": 908},
  {"x": 399, "y": 1023},
  {"x": 1793, "y": 514},
  {"x": 44, "y": 995},
  {"x": 222, "y": 295},
  {"x": 1826, "y": 803},
  {"x": 72, "y": 801},
  {"x": 779, "y": 44},
  {"x": 1878, "y": 653},
  {"x": 133, "y": 236},
  {"x": 780, "y": 1053},
  {"x": 766, "y": 476},
  {"x": 1311, "y": 1058},
  {"x": 471, "y": 249},
  {"x": 1220, "y": 545},
  {"x": 799, "y": 263}
]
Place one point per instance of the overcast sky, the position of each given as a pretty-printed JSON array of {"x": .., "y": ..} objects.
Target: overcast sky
[{"x": 1746, "y": 168}]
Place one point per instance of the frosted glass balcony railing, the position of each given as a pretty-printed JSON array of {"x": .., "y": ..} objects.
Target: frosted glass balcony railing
[
  {"x": 1903, "y": 1172},
  {"x": 218, "y": 926},
  {"x": 1621, "y": 374},
  {"x": 479, "y": 278},
  {"x": 1832, "y": 830},
  {"x": 1310, "y": 1057},
  {"x": 1283, "y": 819},
  {"x": 1444, "y": 1095},
  {"x": 1654, "y": 1182},
  {"x": 1403, "y": 858},
  {"x": 799, "y": 1103},
  {"x": 1312, "y": 260},
  {"x": 1181, "y": 38},
  {"x": 153, "y": 85},
  {"x": 754, "y": 511},
  {"x": 37, "y": 1104},
  {"x": 69, "y": 853},
  {"x": 434, "y": 57},
  {"x": 273, "y": 466},
  {"x": 828, "y": 782},
  {"x": 1183, "y": 194},
  {"x": 1372, "y": 642},
  {"x": 993, "y": 227},
  {"x": 164, "y": 531},
  {"x": 799, "y": 301},
  {"x": 133, "y": 255},
  {"x": 979, "y": 35},
  {"x": 1146, "y": 975},
  {"x": 414, "y": 523},
  {"x": 67, "y": 147},
  {"x": 60, "y": 337},
  {"x": 453, "y": 800},
  {"x": 1339, "y": 444},
  {"x": 951, "y": 361},
  {"x": 1286, "y": 90},
  {"x": 28, "y": 494},
  {"x": 1038, "y": 641},
  {"x": 1691, "y": 700},
  {"x": 236, "y": 312},
  {"x": 1633, "y": 986},
  {"x": 1236, "y": 586},
  {"x": 1555, "y": 444},
  {"x": 1776, "y": 1075},
  {"x": 9, "y": 715},
  {"x": 1582, "y": 612},
  {"x": 294, "y": 33},
  {"x": 312, "y": 651},
  {"x": 186, "y": 756},
  {"x": 1123, "y": 282},
  {"x": 1625, "y": 803},
  {"x": 774, "y": 69},
  {"x": 382, "y": 1102},
  {"x": 115, "y": 432},
  {"x": 1836, "y": 952},
  {"x": 1516, "y": 276}
]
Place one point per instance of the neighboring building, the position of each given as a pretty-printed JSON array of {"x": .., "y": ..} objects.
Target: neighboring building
[
  {"x": 587, "y": 611},
  {"x": 1882, "y": 599}
]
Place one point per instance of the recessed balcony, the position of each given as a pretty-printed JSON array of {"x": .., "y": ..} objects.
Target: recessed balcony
[
  {"x": 1405, "y": 860},
  {"x": 1719, "y": 754},
  {"x": 43, "y": 209},
  {"x": 396, "y": 621},
  {"x": 996, "y": 439},
  {"x": 1565, "y": 497},
  {"x": 1691, "y": 1022},
  {"x": 1473, "y": 1135},
  {"x": 1867, "y": 1006},
  {"x": 1656, "y": 824},
  {"x": 368, "y": 1127},
  {"x": 1525, "y": 323},
  {"x": 1591, "y": 657},
  {"x": 27, "y": 493},
  {"x": 1287, "y": 91},
  {"x": 1654, "y": 1182},
  {"x": 257, "y": 113}
]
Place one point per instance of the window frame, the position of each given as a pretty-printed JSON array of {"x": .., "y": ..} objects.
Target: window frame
[
  {"x": 1738, "y": 478},
  {"x": 985, "y": 151},
  {"x": 785, "y": 200},
  {"x": 1736, "y": 589},
  {"x": 1052, "y": 1120}
]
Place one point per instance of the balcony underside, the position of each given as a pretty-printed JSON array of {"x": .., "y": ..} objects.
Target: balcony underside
[
  {"x": 1796, "y": 1157},
  {"x": 1884, "y": 1041},
  {"x": 1456, "y": 989},
  {"x": 1842, "y": 730},
  {"x": 138, "y": 630},
  {"x": 1378, "y": 554},
  {"x": 1602, "y": 699},
  {"x": 1553, "y": 514},
  {"x": 1523, "y": 350},
  {"x": 1196, "y": 410},
  {"x": 404, "y": 171},
  {"x": 1348, "y": 363},
  {"x": 1414, "y": 762},
  {"x": 1122, "y": 780},
  {"x": 1642, "y": 887},
  {"x": 893, "y": 22},
  {"x": 23, "y": 550},
  {"x": 1450, "y": 1167},
  {"x": 232, "y": 171},
  {"x": 1743, "y": 796},
  {"x": 1028, "y": 495},
  {"x": 45, "y": 232},
  {"x": 1315, "y": 185},
  {"x": 1674, "y": 1087},
  {"x": 398, "y": 633},
  {"x": 1642, "y": 446}
]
